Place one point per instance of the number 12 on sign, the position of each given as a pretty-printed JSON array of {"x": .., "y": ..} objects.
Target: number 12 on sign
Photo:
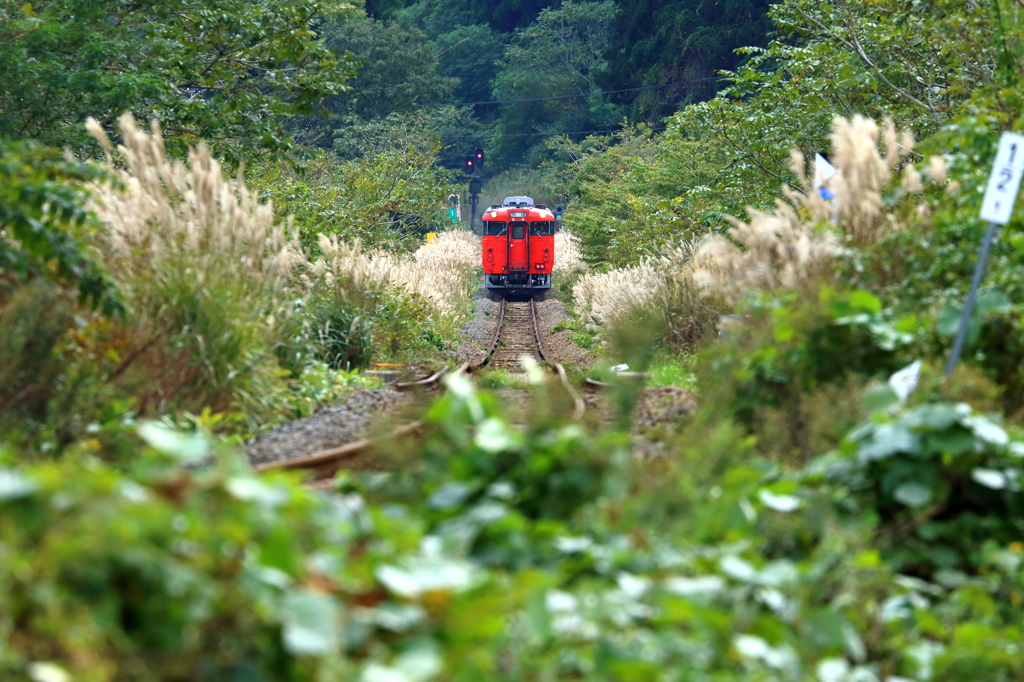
[
  {"x": 996, "y": 209},
  {"x": 1005, "y": 179}
]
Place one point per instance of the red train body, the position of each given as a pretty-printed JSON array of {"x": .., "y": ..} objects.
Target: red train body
[{"x": 518, "y": 246}]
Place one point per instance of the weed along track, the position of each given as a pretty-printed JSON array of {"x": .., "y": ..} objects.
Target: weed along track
[{"x": 517, "y": 333}]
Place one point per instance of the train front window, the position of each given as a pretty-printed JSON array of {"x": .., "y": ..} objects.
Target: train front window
[
  {"x": 494, "y": 228},
  {"x": 518, "y": 230},
  {"x": 542, "y": 228}
]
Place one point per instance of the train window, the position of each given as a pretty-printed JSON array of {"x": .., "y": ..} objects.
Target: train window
[
  {"x": 518, "y": 230},
  {"x": 542, "y": 228},
  {"x": 494, "y": 228}
]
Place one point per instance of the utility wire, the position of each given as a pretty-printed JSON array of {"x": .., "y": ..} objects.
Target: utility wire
[
  {"x": 587, "y": 94},
  {"x": 570, "y": 132}
]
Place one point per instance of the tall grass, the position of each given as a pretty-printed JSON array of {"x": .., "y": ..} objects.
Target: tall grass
[
  {"x": 441, "y": 273},
  {"x": 206, "y": 272},
  {"x": 793, "y": 245},
  {"x": 784, "y": 248},
  {"x": 567, "y": 253},
  {"x": 221, "y": 295},
  {"x": 661, "y": 288}
]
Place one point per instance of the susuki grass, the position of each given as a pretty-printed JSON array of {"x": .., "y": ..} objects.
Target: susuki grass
[
  {"x": 440, "y": 273},
  {"x": 223, "y": 303},
  {"x": 661, "y": 287},
  {"x": 792, "y": 245},
  {"x": 567, "y": 253},
  {"x": 206, "y": 272},
  {"x": 785, "y": 248}
]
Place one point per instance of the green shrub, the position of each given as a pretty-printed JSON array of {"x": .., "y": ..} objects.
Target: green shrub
[
  {"x": 785, "y": 357},
  {"x": 942, "y": 481},
  {"x": 494, "y": 554},
  {"x": 43, "y": 218}
]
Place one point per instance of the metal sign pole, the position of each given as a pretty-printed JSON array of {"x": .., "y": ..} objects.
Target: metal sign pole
[
  {"x": 996, "y": 208},
  {"x": 965, "y": 316}
]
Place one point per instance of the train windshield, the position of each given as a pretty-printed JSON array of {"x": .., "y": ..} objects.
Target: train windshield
[
  {"x": 494, "y": 228},
  {"x": 542, "y": 228},
  {"x": 518, "y": 230}
]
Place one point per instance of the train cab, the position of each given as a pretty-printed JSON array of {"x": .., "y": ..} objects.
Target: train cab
[{"x": 518, "y": 246}]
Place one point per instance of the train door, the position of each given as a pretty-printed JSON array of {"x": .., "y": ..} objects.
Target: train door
[{"x": 518, "y": 247}]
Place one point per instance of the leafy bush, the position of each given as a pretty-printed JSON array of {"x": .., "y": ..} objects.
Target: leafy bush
[
  {"x": 943, "y": 481},
  {"x": 633, "y": 192},
  {"x": 387, "y": 196},
  {"x": 791, "y": 366},
  {"x": 495, "y": 554},
  {"x": 43, "y": 217}
]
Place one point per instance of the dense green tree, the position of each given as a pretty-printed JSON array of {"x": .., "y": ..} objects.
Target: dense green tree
[
  {"x": 471, "y": 53},
  {"x": 916, "y": 64},
  {"x": 681, "y": 42},
  {"x": 383, "y": 185},
  {"x": 506, "y": 15},
  {"x": 436, "y": 17},
  {"x": 42, "y": 207},
  {"x": 632, "y": 192},
  {"x": 503, "y": 16},
  {"x": 384, "y": 9},
  {"x": 397, "y": 74},
  {"x": 224, "y": 71},
  {"x": 552, "y": 68}
]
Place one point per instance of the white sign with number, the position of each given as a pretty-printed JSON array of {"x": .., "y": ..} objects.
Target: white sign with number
[{"x": 1005, "y": 179}]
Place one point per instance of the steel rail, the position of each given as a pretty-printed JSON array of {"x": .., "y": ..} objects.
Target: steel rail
[
  {"x": 579, "y": 405},
  {"x": 325, "y": 463}
]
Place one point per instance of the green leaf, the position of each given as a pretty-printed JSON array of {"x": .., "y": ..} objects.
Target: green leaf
[
  {"x": 865, "y": 301},
  {"x": 992, "y": 302},
  {"x": 990, "y": 478},
  {"x": 935, "y": 416},
  {"x": 879, "y": 398},
  {"x": 987, "y": 430},
  {"x": 952, "y": 441},
  {"x": 252, "y": 489},
  {"x": 15, "y": 485},
  {"x": 310, "y": 623},
  {"x": 422, "y": 575},
  {"x": 779, "y": 503},
  {"x": 184, "y": 446},
  {"x": 888, "y": 440},
  {"x": 494, "y": 435},
  {"x": 913, "y": 494}
]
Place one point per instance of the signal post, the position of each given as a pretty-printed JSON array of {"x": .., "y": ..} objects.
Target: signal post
[{"x": 474, "y": 162}]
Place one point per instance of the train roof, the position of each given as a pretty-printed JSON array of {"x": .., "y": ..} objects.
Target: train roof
[{"x": 496, "y": 212}]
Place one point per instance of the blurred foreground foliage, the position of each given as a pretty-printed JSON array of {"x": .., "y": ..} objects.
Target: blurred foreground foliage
[{"x": 526, "y": 555}]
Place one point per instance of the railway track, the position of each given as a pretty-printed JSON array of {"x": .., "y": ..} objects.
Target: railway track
[{"x": 517, "y": 333}]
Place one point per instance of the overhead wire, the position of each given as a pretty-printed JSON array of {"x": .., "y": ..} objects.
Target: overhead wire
[
  {"x": 570, "y": 132},
  {"x": 586, "y": 94}
]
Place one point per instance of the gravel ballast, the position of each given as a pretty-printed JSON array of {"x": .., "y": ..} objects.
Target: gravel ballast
[
  {"x": 350, "y": 421},
  {"x": 329, "y": 427}
]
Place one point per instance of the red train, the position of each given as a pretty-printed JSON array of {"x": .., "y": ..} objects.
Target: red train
[{"x": 518, "y": 246}]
